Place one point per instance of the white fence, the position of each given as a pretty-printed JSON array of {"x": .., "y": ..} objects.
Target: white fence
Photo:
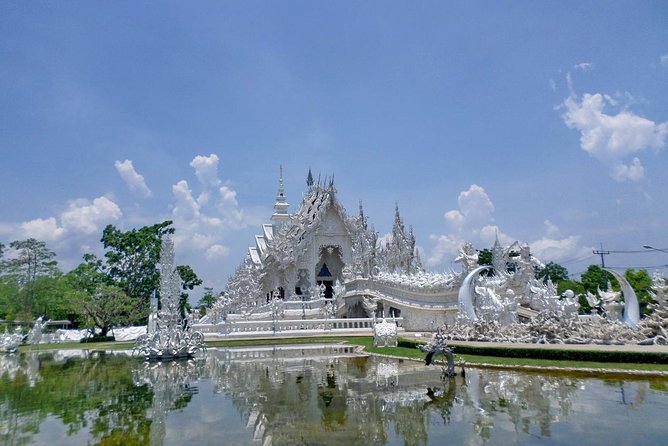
[{"x": 293, "y": 326}]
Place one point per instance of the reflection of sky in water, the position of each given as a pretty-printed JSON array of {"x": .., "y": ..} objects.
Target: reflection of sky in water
[{"x": 308, "y": 396}]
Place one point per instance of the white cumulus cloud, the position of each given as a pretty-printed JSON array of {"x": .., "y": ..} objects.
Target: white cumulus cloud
[
  {"x": 86, "y": 217},
  {"x": 612, "y": 138},
  {"x": 206, "y": 211},
  {"x": 474, "y": 213},
  {"x": 42, "y": 229},
  {"x": 473, "y": 222},
  {"x": 132, "y": 178},
  {"x": 185, "y": 206},
  {"x": 206, "y": 169}
]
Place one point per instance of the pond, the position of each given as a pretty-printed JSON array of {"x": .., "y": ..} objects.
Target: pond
[{"x": 313, "y": 395}]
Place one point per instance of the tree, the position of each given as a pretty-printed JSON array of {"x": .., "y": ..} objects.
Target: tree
[
  {"x": 131, "y": 265},
  {"x": 52, "y": 298},
  {"x": 554, "y": 272},
  {"x": 641, "y": 282},
  {"x": 189, "y": 280},
  {"x": 107, "y": 307},
  {"x": 10, "y": 306},
  {"x": 207, "y": 300},
  {"x": 595, "y": 278},
  {"x": 33, "y": 260},
  {"x": 132, "y": 259},
  {"x": 485, "y": 257},
  {"x": 90, "y": 275}
]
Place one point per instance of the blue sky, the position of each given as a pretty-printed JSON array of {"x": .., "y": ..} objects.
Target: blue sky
[{"x": 544, "y": 122}]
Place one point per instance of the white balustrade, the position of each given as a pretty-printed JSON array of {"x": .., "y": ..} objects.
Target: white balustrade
[{"x": 243, "y": 327}]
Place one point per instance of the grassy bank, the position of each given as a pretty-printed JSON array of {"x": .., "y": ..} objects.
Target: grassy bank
[{"x": 506, "y": 356}]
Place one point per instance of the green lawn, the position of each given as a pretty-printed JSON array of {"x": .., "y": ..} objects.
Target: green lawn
[{"x": 405, "y": 350}]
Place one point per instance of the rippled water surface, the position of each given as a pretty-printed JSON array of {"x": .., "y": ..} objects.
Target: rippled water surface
[{"x": 313, "y": 395}]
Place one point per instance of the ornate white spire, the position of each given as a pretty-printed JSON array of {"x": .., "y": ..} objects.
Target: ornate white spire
[
  {"x": 280, "y": 215},
  {"x": 309, "y": 178}
]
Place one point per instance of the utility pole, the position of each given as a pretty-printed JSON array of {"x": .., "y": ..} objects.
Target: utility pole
[{"x": 601, "y": 253}]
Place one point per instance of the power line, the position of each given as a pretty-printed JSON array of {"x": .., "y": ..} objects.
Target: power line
[
  {"x": 577, "y": 259},
  {"x": 638, "y": 267},
  {"x": 645, "y": 251}
]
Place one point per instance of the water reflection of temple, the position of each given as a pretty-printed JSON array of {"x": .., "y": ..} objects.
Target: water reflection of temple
[
  {"x": 311, "y": 394},
  {"x": 362, "y": 400}
]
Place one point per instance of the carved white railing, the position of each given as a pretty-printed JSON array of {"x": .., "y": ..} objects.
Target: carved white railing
[
  {"x": 290, "y": 326},
  {"x": 416, "y": 297}
]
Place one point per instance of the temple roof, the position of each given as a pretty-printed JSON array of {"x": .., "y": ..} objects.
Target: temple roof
[{"x": 283, "y": 244}]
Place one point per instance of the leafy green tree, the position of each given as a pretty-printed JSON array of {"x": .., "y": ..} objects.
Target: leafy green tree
[
  {"x": 485, "y": 257},
  {"x": 90, "y": 275},
  {"x": 33, "y": 260},
  {"x": 10, "y": 306},
  {"x": 189, "y": 280},
  {"x": 555, "y": 272},
  {"x": 595, "y": 278},
  {"x": 207, "y": 300},
  {"x": 132, "y": 258},
  {"x": 132, "y": 265},
  {"x": 107, "y": 307},
  {"x": 641, "y": 282},
  {"x": 52, "y": 298}
]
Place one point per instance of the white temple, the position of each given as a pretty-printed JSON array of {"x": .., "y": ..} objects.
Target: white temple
[
  {"x": 322, "y": 264},
  {"x": 332, "y": 261}
]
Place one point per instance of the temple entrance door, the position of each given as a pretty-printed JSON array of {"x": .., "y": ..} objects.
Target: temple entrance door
[
  {"x": 324, "y": 277},
  {"x": 329, "y": 288},
  {"x": 329, "y": 268}
]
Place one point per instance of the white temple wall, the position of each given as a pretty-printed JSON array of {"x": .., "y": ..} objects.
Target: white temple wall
[{"x": 423, "y": 320}]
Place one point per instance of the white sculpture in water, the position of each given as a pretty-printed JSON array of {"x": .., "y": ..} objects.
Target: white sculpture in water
[
  {"x": 439, "y": 346},
  {"x": 170, "y": 336}
]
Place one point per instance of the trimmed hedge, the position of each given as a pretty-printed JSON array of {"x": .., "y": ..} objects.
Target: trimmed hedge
[
  {"x": 98, "y": 339},
  {"x": 553, "y": 354}
]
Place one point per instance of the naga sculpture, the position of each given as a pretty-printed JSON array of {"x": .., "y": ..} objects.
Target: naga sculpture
[{"x": 439, "y": 346}]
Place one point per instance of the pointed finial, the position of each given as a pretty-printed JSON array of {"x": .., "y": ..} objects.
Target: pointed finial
[{"x": 309, "y": 178}]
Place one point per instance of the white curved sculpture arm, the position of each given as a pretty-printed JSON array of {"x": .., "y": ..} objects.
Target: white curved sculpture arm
[
  {"x": 466, "y": 293},
  {"x": 631, "y": 307}
]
